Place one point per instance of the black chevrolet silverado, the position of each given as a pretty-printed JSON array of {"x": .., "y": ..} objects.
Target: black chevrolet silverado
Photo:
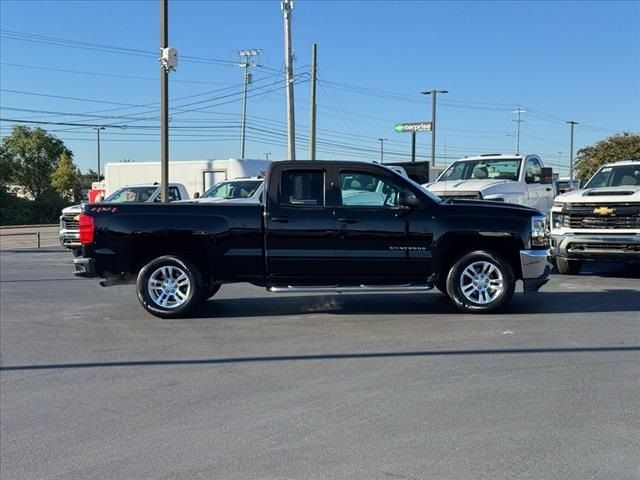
[{"x": 327, "y": 226}]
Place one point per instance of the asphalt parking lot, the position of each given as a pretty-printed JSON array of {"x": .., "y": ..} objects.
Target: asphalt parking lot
[{"x": 259, "y": 386}]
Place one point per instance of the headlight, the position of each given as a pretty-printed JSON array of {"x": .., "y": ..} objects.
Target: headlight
[
  {"x": 539, "y": 231},
  {"x": 557, "y": 220},
  {"x": 558, "y": 205}
]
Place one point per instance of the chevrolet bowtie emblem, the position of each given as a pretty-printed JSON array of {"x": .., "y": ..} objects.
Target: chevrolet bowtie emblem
[{"x": 603, "y": 211}]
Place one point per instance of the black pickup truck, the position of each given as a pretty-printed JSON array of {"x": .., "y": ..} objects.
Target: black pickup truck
[{"x": 327, "y": 226}]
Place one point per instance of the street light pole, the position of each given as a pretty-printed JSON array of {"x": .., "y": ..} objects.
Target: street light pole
[
  {"x": 267, "y": 154},
  {"x": 98, "y": 132},
  {"x": 433, "y": 93},
  {"x": 381, "y": 140}
]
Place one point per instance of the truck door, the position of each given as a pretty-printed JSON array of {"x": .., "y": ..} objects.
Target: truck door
[
  {"x": 377, "y": 241},
  {"x": 299, "y": 226},
  {"x": 540, "y": 195}
]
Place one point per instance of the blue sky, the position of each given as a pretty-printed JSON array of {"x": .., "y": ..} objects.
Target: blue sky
[{"x": 557, "y": 60}]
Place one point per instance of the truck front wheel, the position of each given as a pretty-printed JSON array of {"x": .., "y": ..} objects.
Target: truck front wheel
[
  {"x": 169, "y": 287},
  {"x": 480, "y": 282}
]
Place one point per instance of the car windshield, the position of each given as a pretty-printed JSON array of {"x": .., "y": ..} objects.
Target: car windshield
[
  {"x": 131, "y": 194},
  {"x": 616, "y": 176},
  {"x": 233, "y": 189},
  {"x": 499, "y": 169}
]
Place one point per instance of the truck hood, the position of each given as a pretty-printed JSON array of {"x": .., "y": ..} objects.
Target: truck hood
[
  {"x": 72, "y": 210},
  {"x": 465, "y": 185},
  {"x": 625, "y": 193},
  {"x": 490, "y": 207}
]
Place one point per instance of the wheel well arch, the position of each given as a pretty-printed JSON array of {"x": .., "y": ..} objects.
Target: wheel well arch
[
  {"x": 184, "y": 247},
  {"x": 452, "y": 246}
]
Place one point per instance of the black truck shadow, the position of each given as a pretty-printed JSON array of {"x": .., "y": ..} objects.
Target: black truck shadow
[{"x": 622, "y": 300}]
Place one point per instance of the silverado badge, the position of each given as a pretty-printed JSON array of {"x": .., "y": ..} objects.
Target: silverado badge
[{"x": 603, "y": 211}]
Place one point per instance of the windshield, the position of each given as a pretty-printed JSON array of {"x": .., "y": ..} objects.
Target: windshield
[
  {"x": 233, "y": 189},
  {"x": 498, "y": 169},
  {"x": 131, "y": 194},
  {"x": 620, "y": 176}
]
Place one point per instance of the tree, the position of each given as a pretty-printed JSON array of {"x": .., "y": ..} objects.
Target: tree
[
  {"x": 7, "y": 168},
  {"x": 617, "y": 147},
  {"x": 66, "y": 179},
  {"x": 32, "y": 154}
]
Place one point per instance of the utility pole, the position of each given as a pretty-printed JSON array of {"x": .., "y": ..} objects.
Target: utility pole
[
  {"x": 312, "y": 121},
  {"x": 287, "y": 8},
  {"x": 98, "y": 132},
  {"x": 168, "y": 62},
  {"x": 571, "y": 124},
  {"x": 246, "y": 64},
  {"x": 413, "y": 146},
  {"x": 266, "y": 155},
  {"x": 381, "y": 140},
  {"x": 433, "y": 94},
  {"x": 518, "y": 111}
]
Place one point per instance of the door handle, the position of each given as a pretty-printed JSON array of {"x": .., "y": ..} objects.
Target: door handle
[
  {"x": 281, "y": 219},
  {"x": 348, "y": 220},
  {"x": 548, "y": 189}
]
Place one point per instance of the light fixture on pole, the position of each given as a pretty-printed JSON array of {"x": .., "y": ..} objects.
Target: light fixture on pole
[
  {"x": 434, "y": 94},
  {"x": 97, "y": 129},
  {"x": 381, "y": 140}
]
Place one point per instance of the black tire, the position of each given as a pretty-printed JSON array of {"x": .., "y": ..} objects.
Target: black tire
[
  {"x": 490, "y": 289},
  {"x": 179, "y": 287},
  {"x": 567, "y": 266},
  {"x": 211, "y": 290}
]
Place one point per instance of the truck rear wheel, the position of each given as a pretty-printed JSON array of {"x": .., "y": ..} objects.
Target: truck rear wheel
[
  {"x": 480, "y": 282},
  {"x": 169, "y": 287},
  {"x": 567, "y": 266}
]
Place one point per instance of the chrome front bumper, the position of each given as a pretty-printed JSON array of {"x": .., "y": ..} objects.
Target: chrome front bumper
[
  {"x": 596, "y": 247},
  {"x": 536, "y": 268}
]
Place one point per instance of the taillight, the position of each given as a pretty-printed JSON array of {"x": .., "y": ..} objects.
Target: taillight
[{"x": 86, "y": 228}]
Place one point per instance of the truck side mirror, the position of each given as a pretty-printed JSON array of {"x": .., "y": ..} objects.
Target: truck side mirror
[
  {"x": 408, "y": 200},
  {"x": 546, "y": 178},
  {"x": 196, "y": 195}
]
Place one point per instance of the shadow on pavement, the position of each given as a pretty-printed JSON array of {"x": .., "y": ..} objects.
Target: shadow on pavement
[
  {"x": 623, "y": 300},
  {"x": 336, "y": 356}
]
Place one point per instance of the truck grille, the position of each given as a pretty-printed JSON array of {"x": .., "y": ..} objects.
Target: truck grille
[
  {"x": 69, "y": 223},
  {"x": 624, "y": 216},
  {"x": 461, "y": 195}
]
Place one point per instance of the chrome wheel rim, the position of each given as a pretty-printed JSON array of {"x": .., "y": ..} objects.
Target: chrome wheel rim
[
  {"x": 169, "y": 287},
  {"x": 481, "y": 282}
]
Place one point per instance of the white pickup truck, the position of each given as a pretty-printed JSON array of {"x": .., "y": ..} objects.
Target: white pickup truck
[
  {"x": 520, "y": 179},
  {"x": 69, "y": 235},
  {"x": 600, "y": 222}
]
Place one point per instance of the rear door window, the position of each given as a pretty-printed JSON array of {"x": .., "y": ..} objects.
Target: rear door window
[{"x": 302, "y": 188}]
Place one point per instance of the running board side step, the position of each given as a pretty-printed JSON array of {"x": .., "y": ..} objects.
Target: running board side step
[{"x": 353, "y": 288}]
